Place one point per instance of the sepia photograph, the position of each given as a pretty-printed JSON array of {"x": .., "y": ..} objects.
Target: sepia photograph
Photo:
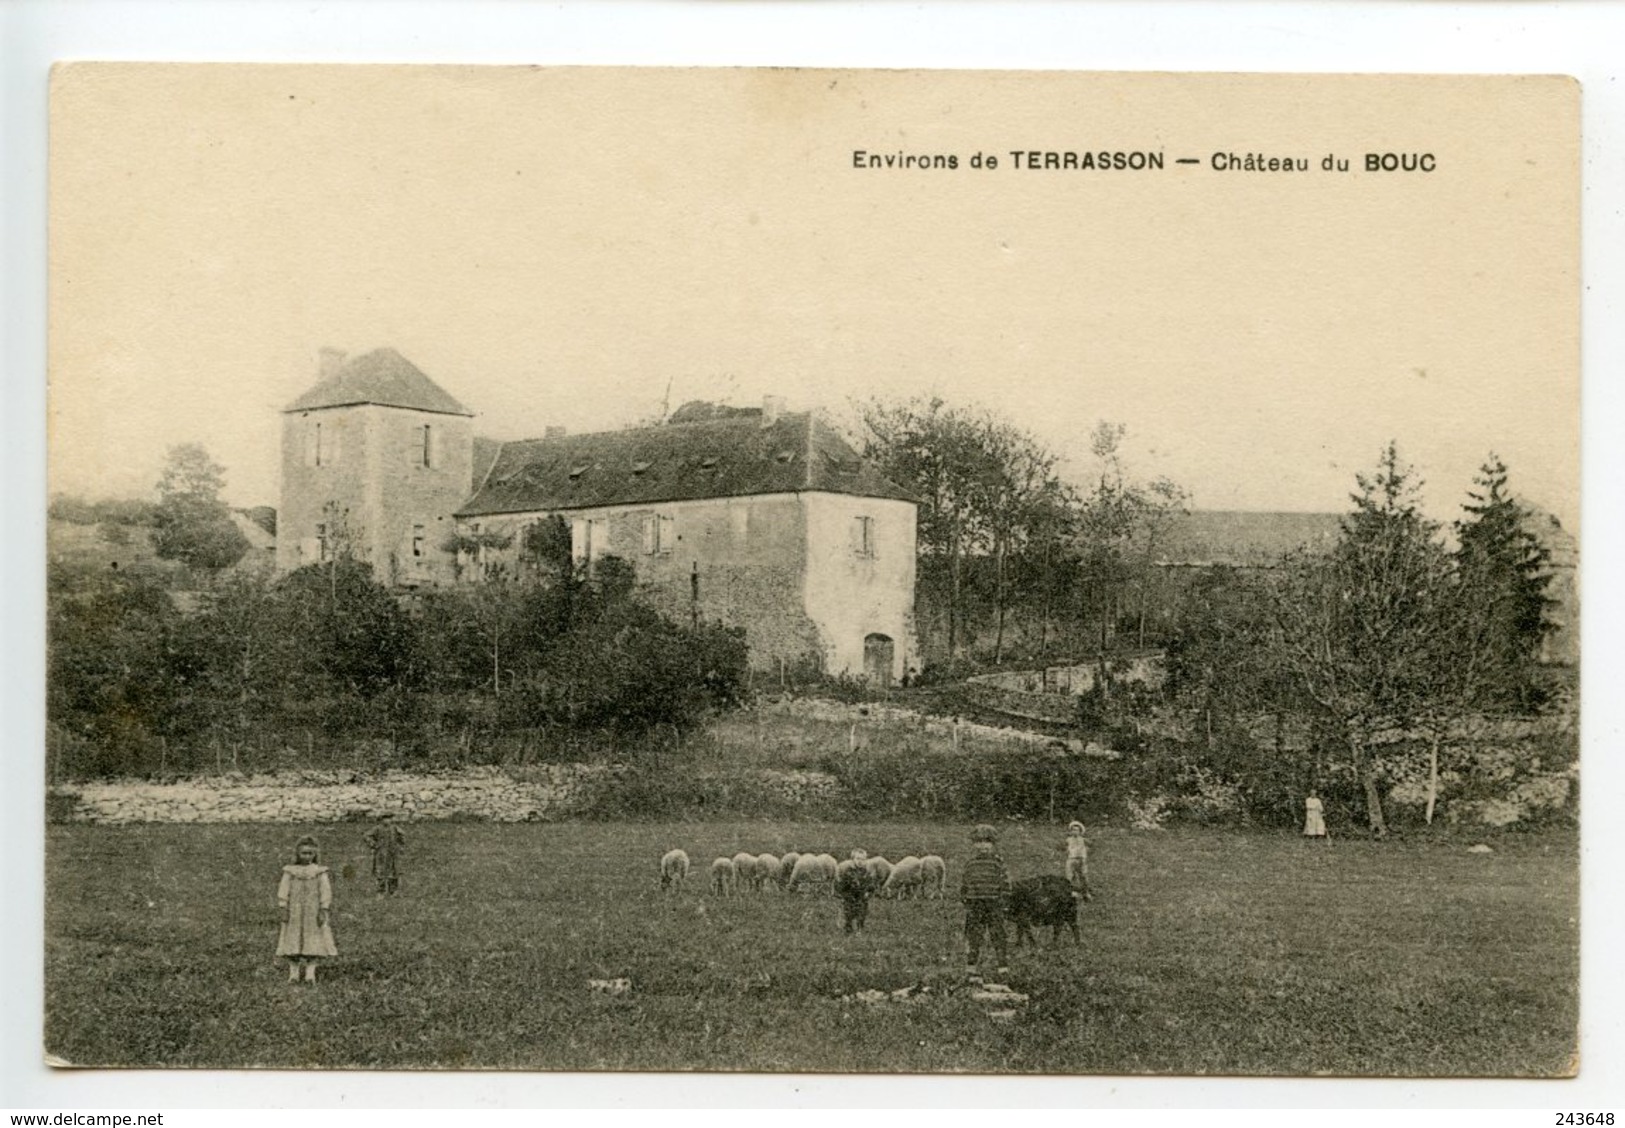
[{"x": 837, "y": 571}]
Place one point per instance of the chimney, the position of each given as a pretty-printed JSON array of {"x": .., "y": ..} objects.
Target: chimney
[
  {"x": 329, "y": 362},
  {"x": 772, "y": 408},
  {"x": 553, "y": 433}
]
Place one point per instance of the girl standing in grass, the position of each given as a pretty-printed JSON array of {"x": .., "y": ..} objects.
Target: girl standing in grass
[
  {"x": 304, "y": 899},
  {"x": 1314, "y": 818}
]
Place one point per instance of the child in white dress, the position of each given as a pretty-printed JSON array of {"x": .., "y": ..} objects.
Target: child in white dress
[
  {"x": 304, "y": 900},
  {"x": 1314, "y": 818}
]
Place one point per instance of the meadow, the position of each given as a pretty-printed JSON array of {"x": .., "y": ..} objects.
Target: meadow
[{"x": 1205, "y": 952}]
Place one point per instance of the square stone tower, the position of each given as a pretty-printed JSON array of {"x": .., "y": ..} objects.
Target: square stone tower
[{"x": 375, "y": 460}]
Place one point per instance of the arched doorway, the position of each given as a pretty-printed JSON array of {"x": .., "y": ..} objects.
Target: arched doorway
[{"x": 878, "y": 650}]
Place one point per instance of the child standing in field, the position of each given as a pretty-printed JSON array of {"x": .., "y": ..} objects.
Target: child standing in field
[
  {"x": 1314, "y": 818},
  {"x": 853, "y": 885},
  {"x": 1077, "y": 861},
  {"x": 386, "y": 841},
  {"x": 985, "y": 889},
  {"x": 305, "y": 901}
]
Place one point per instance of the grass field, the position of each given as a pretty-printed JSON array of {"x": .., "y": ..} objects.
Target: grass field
[{"x": 1204, "y": 952}]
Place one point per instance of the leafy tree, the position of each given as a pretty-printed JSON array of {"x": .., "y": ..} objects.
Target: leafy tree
[
  {"x": 988, "y": 491},
  {"x": 1121, "y": 524},
  {"x": 243, "y": 659},
  {"x": 939, "y": 454},
  {"x": 1022, "y": 500},
  {"x": 191, "y": 523},
  {"x": 110, "y": 679},
  {"x": 1360, "y": 629},
  {"x": 352, "y": 635}
]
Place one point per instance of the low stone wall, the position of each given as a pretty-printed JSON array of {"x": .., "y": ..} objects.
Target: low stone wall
[
  {"x": 545, "y": 792},
  {"x": 1074, "y": 679}
]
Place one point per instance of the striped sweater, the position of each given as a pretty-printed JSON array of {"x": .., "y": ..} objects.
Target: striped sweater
[{"x": 985, "y": 879}]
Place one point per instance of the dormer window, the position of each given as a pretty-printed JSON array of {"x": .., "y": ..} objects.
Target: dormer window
[
  {"x": 577, "y": 471},
  {"x": 787, "y": 456},
  {"x": 708, "y": 463},
  {"x": 640, "y": 467}
]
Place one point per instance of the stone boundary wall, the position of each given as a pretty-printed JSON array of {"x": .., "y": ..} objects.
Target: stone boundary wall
[
  {"x": 553, "y": 791},
  {"x": 532, "y": 794},
  {"x": 1074, "y": 679}
]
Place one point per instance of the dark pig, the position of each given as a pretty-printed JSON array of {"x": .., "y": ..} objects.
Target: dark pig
[{"x": 1040, "y": 901}]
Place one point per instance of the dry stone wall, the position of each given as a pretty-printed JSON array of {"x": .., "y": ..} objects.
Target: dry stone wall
[
  {"x": 532, "y": 794},
  {"x": 547, "y": 792}
]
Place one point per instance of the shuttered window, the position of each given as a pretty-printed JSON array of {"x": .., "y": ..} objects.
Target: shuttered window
[{"x": 863, "y": 537}]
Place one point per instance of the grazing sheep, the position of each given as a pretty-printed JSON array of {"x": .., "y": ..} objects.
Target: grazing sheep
[
  {"x": 813, "y": 870},
  {"x": 933, "y": 876},
  {"x": 745, "y": 868},
  {"x": 767, "y": 869},
  {"x": 879, "y": 870},
  {"x": 787, "y": 867},
  {"x": 905, "y": 879},
  {"x": 724, "y": 878},
  {"x": 673, "y": 870}
]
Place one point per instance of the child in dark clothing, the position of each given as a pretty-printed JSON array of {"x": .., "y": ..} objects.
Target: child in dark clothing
[
  {"x": 386, "y": 841},
  {"x": 853, "y": 885},
  {"x": 985, "y": 889}
]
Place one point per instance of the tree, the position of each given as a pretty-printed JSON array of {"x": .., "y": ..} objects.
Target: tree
[
  {"x": 353, "y": 636},
  {"x": 1361, "y": 630},
  {"x": 1504, "y": 574},
  {"x": 987, "y": 490},
  {"x": 1122, "y": 524},
  {"x": 1022, "y": 500},
  {"x": 938, "y": 453},
  {"x": 191, "y": 523}
]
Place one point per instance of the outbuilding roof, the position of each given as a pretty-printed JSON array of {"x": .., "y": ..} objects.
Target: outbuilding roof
[
  {"x": 384, "y": 377},
  {"x": 740, "y": 455}
]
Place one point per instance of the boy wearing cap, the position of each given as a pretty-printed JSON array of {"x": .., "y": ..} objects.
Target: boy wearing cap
[
  {"x": 985, "y": 889},
  {"x": 1077, "y": 861}
]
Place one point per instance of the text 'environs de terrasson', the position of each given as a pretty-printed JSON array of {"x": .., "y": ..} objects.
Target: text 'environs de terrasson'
[{"x": 1132, "y": 160}]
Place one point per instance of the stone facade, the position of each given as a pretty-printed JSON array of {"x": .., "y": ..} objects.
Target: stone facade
[
  {"x": 375, "y": 460},
  {"x": 754, "y": 518}
]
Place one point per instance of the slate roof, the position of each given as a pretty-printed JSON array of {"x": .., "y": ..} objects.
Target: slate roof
[
  {"x": 382, "y": 376},
  {"x": 736, "y": 456},
  {"x": 1239, "y": 539}
]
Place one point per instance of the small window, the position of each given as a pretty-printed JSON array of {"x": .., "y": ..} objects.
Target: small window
[
  {"x": 658, "y": 535},
  {"x": 417, "y": 542},
  {"x": 581, "y": 539},
  {"x": 426, "y": 445},
  {"x": 321, "y": 539},
  {"x": 863, "y": 536}
]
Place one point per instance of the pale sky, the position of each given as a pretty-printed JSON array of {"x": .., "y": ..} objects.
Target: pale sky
[{"x": 553, "y": 247}]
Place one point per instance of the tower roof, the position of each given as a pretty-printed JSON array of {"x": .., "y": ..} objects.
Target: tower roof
[
  {"x": 736, "y": 456},
  {"x": 383, "y": 377}
]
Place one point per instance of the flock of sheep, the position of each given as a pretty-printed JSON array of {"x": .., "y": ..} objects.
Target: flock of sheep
[{"x": 913, "y": 876}]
